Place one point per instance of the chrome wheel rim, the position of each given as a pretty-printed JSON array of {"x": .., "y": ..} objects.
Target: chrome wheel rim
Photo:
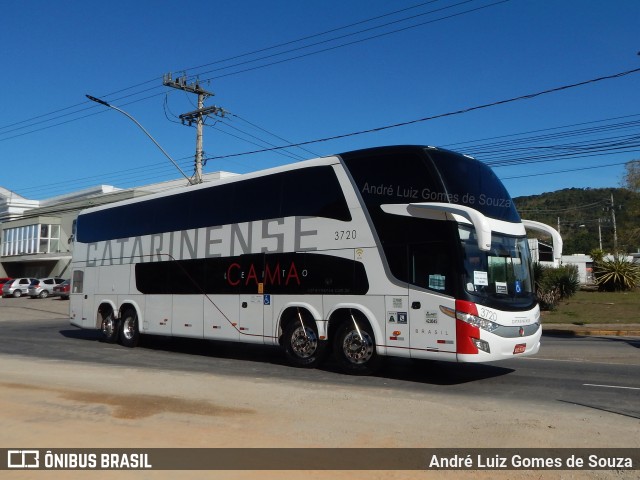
[
  {"x": 108, "y": 326},
  {"x": 358, "y": 350},
  {"x": 128, "y": 328},
  {"x": 304, "y": 342}
]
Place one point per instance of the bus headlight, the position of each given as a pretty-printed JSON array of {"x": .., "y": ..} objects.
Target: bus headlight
[
  {"x": 481, "y": 345},
  {"x": 476, "y": 321}
]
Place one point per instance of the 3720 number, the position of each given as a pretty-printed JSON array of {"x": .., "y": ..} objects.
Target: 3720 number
[{"x": 345, "y": 235}]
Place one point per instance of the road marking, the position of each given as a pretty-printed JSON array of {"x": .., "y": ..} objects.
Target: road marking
[
  {"x": 609, "y": 386},
  {"x": 573, "y": 360}
]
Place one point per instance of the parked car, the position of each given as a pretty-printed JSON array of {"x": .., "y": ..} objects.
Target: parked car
[
  {"x": 62, "y": 290},
  {"x": 16, "y": 287},
  {"x": 4, "y": 280},
  {"x": 43, "y": 287}
]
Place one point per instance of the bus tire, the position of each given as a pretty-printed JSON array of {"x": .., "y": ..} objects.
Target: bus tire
[
  {"x": 355, "y": 348},
  {"x": 302, "y": 346},
  {"x": 129, "y": 331},
  {"x": 109, "y": 328}
]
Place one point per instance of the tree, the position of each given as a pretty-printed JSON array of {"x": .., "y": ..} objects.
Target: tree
[{"x": 631, "y": 180}]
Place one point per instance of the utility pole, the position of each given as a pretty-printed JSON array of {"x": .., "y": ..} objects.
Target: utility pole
[
  {"x": 600, "y": 232},
  {"x": 615, "y": 230},
  {"x": 196, "y": 116}
]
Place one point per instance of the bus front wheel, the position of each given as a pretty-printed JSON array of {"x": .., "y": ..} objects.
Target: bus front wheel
[
  {"x": 355, "y": 347},
  {"x": 302, "y": 345},
  {"x": 129, "y": 332}
]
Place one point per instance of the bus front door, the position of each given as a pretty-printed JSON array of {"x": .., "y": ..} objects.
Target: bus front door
[
  {"x": 83, "y": 289},
  {"x": 431, "y": 308},
  {"x": 432, "y": 328},
  {"x": 251, "y": 321}
]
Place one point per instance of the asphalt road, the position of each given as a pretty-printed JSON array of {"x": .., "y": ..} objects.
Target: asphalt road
[{"x": 597, "y": 374}]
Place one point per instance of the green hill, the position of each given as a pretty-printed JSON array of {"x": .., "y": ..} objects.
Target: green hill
[{"x": 579, "y": 212}]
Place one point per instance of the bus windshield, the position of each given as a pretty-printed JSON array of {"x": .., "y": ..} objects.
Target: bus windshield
[{"x": 503, "y": 274}]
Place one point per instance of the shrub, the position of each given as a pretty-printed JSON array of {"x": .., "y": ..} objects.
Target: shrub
[
  {"x": 597, "y": 255},
  {"x": 555, "y": 283},
  {"x": 617, "y": 274}
]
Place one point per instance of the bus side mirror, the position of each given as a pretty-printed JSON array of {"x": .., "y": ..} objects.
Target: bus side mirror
[{"x": 555, "y": 236}]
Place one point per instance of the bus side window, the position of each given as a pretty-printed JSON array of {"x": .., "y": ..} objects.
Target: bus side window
[
  {"x": 78, "y": 281},
  {"x": 431, "y": 266}
]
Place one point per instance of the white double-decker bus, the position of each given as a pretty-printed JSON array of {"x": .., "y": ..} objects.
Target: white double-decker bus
[{"x": 406, "y": 251}]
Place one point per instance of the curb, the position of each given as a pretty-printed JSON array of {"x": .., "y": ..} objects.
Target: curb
[{"x": 633, "y": 331}]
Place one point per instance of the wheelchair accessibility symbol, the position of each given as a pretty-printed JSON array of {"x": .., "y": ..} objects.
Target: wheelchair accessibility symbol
[{"x": 267, "y": 300}]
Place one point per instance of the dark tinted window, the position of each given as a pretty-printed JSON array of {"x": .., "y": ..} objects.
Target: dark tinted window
[
  {"x": 313, "y": 191},
  {"x": 418, "y": 251},
  {"x": 402, "y": 175},
  {"x": 421, "y": 252},
  {"x": 282, "y": 273},
  {"x": 472, "y": 183}
]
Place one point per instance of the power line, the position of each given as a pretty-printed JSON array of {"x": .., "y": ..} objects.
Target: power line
[
  {"x": 564, "y": 171},
  {"x": 354, "y": 42},
  {"x": 441, "y": 115},
  {"x": 129, "y": 95},
  {"x": 322, "y": 42},
  {"x": 290, "y": 145},
  {"x": 272, "y": 134},
  {"x": 263, "y": 142},
  {"x": 561, "y": 210},
  {"x": 309, "y": 37}
]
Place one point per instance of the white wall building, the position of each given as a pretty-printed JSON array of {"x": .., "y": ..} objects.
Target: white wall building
[{"x": 36, "y": 236}]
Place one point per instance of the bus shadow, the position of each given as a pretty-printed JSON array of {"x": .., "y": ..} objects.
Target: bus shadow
[
  {"x": 264, "y": 358},
  {"x": 434, "y": 372},
  {"x": 81, "y": 334},
  {"x": 392, "y": 368},
  {"x": 632, "y": 342}
]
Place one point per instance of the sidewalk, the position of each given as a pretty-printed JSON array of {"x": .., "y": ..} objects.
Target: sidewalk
[{"x": 595, "y": 329}]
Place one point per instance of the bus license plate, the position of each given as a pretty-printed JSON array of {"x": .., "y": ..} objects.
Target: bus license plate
[{"x": 520, "y": 348}]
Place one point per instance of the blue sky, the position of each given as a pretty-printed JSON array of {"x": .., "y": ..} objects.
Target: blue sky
[{"x": 54, "y": 141}]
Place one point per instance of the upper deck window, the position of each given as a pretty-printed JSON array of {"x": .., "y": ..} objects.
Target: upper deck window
[
  {"x": 472, "y": 183},
  {"x": 416, "y": 174},
  {"x": 311, "y": 192}
]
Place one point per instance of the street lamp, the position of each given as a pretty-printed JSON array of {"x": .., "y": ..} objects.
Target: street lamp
[
  {"x": 599, "y": 232},
  {"x": 102, "y": 102}
]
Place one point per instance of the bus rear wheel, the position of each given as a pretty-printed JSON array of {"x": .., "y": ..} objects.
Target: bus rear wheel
[
  {"x": 355, "y": 347},
  {"x": 129, "y": 332},
  {"x": 109, "y": 328},
  {"x": 301, "y": 344}
]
